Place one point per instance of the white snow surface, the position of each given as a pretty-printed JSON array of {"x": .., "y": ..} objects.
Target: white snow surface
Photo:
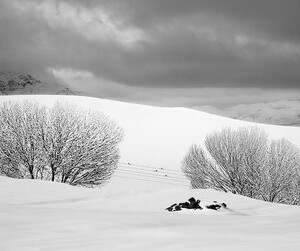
[{"x": 128, "y": 214}]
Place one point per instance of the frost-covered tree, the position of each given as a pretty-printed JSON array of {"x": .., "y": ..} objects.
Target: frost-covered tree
[
  {"x": 281, "y": 173},
  {"x": 20, "y": 147},
  {"x": 81, "y": 146},
  {"x": 246, "y": 162},
  {"x": 62, "y": 143}
]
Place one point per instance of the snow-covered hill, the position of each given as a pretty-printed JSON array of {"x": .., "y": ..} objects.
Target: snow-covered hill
[
  {"x": 37, "y": 215},
  {"x": 128, "y": 213},
  {"x": 281, "y": 112},
  {"x": 17, "y": 83},
  {"x": 159, "y": 137}
]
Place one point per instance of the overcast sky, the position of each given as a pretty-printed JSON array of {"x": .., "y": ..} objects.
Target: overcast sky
[{"x": 191, "y": 53}]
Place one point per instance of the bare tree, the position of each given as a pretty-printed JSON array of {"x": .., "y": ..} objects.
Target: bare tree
[
  {"x": 65, "y": 143},
  {"x": 20, "y": 147},
  {"x": 294, "y": 193},
  {"x": 281, "y": 172},
  {"x": 244, "y": 161},
  {"x": 81, "y": 146},
  {"x": 58, "y": 136},
  {"x": 202, "y": 172}
]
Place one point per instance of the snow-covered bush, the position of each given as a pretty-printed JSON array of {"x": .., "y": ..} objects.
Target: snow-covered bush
[
  {"x": 246, "y": 162},
  {"x": 61, "y": 143}
]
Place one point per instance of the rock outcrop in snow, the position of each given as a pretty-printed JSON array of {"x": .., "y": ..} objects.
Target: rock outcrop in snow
[
  {"x": 195, "y": 205},
  {"x": 17, "y": 83}
]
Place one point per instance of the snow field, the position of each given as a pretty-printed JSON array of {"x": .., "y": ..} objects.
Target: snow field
[{"x": 128, "y": 213}]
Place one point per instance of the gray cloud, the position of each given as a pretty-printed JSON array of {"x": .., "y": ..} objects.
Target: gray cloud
[
  {"x": 274, "y": 18},
  {"x": 170, "y": 44}
]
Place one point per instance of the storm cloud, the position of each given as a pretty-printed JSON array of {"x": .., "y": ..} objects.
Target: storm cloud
[{"x": 160, "y": 46}]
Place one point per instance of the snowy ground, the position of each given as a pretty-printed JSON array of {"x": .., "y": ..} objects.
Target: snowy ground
[
  {"x": 38, "y": 215},
  {"x": 128, "y": 213}
]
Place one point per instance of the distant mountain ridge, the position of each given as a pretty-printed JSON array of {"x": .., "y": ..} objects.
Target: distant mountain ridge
[
  {"x": 24, "y": 83},
  {"x": 283, "y": 112}
]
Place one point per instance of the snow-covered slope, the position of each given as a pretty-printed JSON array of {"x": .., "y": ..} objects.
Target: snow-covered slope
[
  {"x": 128, "y": 213},
  {"x": 282, "y": 112},
  {"x": 38, "y": 215},
  {"x": 159, "y": 137},
  {"x": 17, "y": 83}
]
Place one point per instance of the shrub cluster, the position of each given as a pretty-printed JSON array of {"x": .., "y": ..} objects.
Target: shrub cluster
[
  {"x": 246, "y": 162},
  {"x": 60, "y": 143}
]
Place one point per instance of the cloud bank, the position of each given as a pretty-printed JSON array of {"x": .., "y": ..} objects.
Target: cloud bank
[{"x": 165, "y": 52}]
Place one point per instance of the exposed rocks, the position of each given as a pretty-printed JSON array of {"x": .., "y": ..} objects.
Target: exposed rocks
[
  {"x": 192, "y": 204},
  {"x": 16, "y": 83},
  {"x": 213, "y": 207},
  {"x": 170, "y": 208},
  {"x": 195, "y": 205}
]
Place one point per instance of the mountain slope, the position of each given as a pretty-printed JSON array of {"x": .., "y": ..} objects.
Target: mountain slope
[
  {"x": 17, "y": 83},
  {"x": 281, "y": 112}
]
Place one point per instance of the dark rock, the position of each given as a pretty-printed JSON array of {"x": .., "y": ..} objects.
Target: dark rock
[
  {"x": 195, "y": 204},
  {"x": 192, "y": 200},
  {"x": 213, "y": 207},
  {"x": 184, "y": 205},
  {"x": 177, "y": 208},
  {"x": 171, "y": 208},
  {"x": 224, "y": 205}
]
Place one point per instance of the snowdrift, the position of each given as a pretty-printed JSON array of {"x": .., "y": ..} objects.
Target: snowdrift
[{"x": 39, "y": 215}]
